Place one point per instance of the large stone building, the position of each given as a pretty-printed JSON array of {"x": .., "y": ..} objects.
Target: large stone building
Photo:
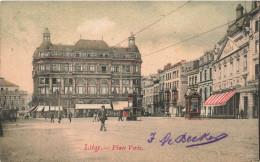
[
  {"x": 82, "y": 76},
  {"x": 235, "y": 70},
  {"x": 12, "y": 97},
  {"x": 175, "y": 84},
  {"x": 148, "y": 93},
  {"x": 206, "y": 78}
]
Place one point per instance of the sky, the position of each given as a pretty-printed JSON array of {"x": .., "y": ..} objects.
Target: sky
[{"x": 22, "y": 25}]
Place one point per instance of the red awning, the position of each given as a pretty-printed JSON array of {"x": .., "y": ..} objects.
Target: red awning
[{"x": 219, "y": 99}]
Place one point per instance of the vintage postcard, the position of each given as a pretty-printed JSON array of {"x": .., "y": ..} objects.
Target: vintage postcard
[{"x": 129, "y": 81}]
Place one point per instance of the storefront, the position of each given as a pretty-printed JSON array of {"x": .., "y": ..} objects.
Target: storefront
[
  {"x": 88, "y": 110},
  {"x": 222, "y": 105}
]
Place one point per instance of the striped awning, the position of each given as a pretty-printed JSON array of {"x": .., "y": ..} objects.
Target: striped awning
[
  {"x": 40, "y": 108},
  {"x": 32, "y": 108},
  {"x": 219, "y": 99}
]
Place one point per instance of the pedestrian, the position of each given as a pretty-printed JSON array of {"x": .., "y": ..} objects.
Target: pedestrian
[
  {"x": 70, "y": 116},
  {"x": 103, "y": 117},
  {"x": 60, "y": 116},
  {"x": 95, "y": 116},
  {"x": 1, "y": 128},
  {"x": 52, "y": 118},
  {"x": 120, "y": 116}
]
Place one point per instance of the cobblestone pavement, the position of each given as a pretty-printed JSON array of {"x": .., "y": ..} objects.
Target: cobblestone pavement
[{"x": 39, "y": 140}]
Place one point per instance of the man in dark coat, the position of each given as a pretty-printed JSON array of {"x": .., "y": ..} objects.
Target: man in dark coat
[
  {"x": 52, "y": 117},
  {"x": 60, "y": 116},
  {"x": 70, "y": 116},
  {"x": 120, "y": 116},
  {"x": 103, "y": 117}
]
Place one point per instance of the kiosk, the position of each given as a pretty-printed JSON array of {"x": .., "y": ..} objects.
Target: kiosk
[{"x": 193, "y": 99}]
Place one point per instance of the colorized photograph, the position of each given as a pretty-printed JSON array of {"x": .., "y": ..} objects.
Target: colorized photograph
[{"x": 129, "y": 81}]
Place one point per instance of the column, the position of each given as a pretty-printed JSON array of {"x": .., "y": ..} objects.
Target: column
[
  {"x": 241, "y": 102},
  {"x": 250, "y": 105},
  {"x": 86, "y": 86},
  {"x": 98, "y": 86}
]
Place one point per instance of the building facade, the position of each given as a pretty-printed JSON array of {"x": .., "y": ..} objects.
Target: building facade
[
  {"x": 148, "y": 93},
  {"x": 175, "y": 85},
  {"x": 12, "y": 97},
  {"x": 206, "y": 79},
  {"x": 89, "y": 72},
  {"x": 234, "y": 70}
]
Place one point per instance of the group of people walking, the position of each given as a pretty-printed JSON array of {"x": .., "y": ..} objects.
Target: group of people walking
[{"x": 60, "y": 117}]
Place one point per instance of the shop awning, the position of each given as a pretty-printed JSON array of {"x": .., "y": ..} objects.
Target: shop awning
[
  {"x": 40, "y": 108},
  {"x": 119, "y": 105},
  {"x": 53, "y": 108},
  {"x": 219, "y": 99},
  {"x": 33, "y": 108},
  {"x": 92, "y": 106}
]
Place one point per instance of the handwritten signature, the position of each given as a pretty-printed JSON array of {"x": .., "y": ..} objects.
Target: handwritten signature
[{"x": 205, "y": 139}]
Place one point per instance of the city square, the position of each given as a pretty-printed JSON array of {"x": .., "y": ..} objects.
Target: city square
[
  {"x": 184, "y": 76},
  {"x": 40, "y": 140}
]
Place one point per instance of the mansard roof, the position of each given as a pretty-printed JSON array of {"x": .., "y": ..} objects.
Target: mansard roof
[{"x": 91, "y": 45}]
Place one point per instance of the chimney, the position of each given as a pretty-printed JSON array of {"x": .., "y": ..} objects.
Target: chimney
[{"x": 239, "y": 11}]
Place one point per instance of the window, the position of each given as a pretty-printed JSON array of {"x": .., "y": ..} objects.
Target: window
[
  {"x": 196, "y": 79},
  {"x": 56, "y": 67},
  {"x": 115, "y": 81},
  {"x": 80, "y": 90},
  {"x": 219, "y": 74},
  {"x": 210, "y": 73},
  {"x": 42, "y": 67},
  {"x": 77, "y": 54},
  {"x": 126, "y": 82},
  {"x": 92, "y": 90},
  {"x": 256, "y": 71},
  {"x": 68, "y": 81},
  {"x": 126, "y": 68},
  {"x": 55, "y": 89},
  {"x": 205, "y": 93},
  {"x": 115, "y": 90},
  {"x": 67, "y": 89},
  {"x": 55, "y": 80},
  {"x": 103, "y": 90},
  {"x": 256, "y": 26},
  {"x": 210, "y": 90},
  {"x": 91, "y": 67},
  {"x": 104, "y": 69},
  {"x": 66, "y": 67},
  {"x": 79, "y": 67},
  {"x": 231, "y": 68},
  {"x": 225, "y": 70},
  {"x": 237, "y": 65},
  {"x": 70, "y": 67},
  {"x": 245, "y": 62},
  {"x": 205, "y": 75},
  {"x": 177, "y": 85},
  {"x": 200, "y": 76},
  {"x": 125, "y": 90},
  {"x": 256, "y": 46}
]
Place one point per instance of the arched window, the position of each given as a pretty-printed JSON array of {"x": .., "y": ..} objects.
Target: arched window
[
  {"x": 92, "y": 86},
  {"x": 103, "y": 86}
]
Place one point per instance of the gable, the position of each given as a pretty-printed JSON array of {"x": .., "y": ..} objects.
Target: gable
[{"x": 229, "y": 47}]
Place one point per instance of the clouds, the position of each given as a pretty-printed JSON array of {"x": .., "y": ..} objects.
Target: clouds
[
  {"x": 22, "y": 24},
  {"x": 96, "y": 26}
]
